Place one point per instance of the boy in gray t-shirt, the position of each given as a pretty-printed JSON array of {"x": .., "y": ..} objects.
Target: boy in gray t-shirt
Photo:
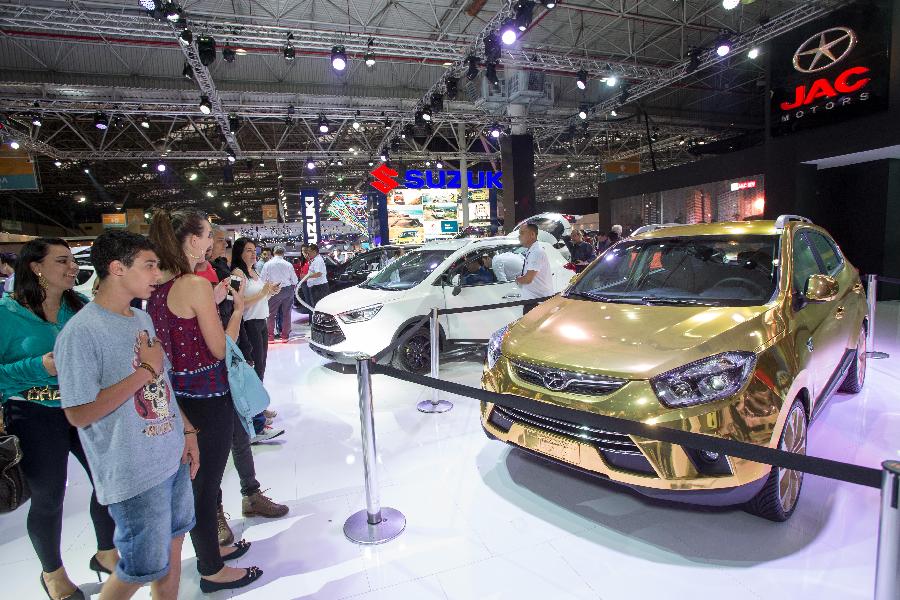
[{"x": 141, "y": 450}]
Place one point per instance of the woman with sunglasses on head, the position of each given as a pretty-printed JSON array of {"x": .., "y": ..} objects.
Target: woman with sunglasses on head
[
  {"x": 30, "y": 320},
  {"x": 184, "y": 313}
]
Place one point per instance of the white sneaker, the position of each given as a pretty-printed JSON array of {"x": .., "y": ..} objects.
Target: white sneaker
[{"x": 267, "y": 434}]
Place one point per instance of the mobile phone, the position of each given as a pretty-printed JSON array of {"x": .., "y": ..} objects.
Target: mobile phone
[{"x": 235, "y": 282}]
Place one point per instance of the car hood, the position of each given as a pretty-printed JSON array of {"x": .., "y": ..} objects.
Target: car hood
[
  {"x": 355, "y": 297},
  {"x": 633, "y": 341}
]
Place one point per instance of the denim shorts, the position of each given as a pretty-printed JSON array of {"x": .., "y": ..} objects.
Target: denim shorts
[{"x": 146, "y": 525}]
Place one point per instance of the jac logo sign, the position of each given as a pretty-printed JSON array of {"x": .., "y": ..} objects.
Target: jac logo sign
[
  {"x": 825, "y": 49},
  {"x": 742, "y": 185},
  {"x": 848, "y": 82},
  {"x": 415, "y": 180}
]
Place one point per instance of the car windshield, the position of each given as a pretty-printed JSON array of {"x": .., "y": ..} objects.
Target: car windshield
[
  {"x": 407, "y": 271},
  {"x": 738, "y": 270}
]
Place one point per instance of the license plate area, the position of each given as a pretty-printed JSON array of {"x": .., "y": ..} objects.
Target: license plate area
[{"x": 553, "y": 445}]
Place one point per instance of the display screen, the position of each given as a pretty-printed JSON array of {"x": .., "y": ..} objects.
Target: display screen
[{"x": 416, "y": 216}]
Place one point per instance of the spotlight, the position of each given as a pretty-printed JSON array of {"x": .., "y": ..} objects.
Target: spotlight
[
  {"x": 437, "y": 102},
  {"x": 509, "y": 32},
  {"x": 87, "y": 171},
  {"x": 234, "y": 122},
  {"x": 383, "y": 157},
  {"x": 310, "y": 164},
  {"x": 491, "y": 48},
  {"x": 387, "y": 122},
  {"x": 426, "y": 112},
  {"x": 452, "y": 86},
  {"x": 101, "y": 121},
  {"x": 230, "y": 155},
  {"x": 549, "y": 4},
  {"x": 472, "y": 67},
  {"x": 408, "y": 131},
  {"x": 58, "y": 163},
  {"x": 323, "y": 124},
  {"x": 369, "y": 56},
  {"x": 338, "y": 58},
  {"x": 143, "y": 165},
  {"x": 582, "y": 112},
  {"x": 438, "y": 165},
  {"x": 187, "y": 72},
  {"x": 623, "y": 96},
  {"x": 14, "y": 144},
  {"x": 612, "y": 81},
  {"x": 613, "y": 113},
  {"x": 206, "y": 50},
  {"x": 524, "y": 12},
  {"x": 356, "y": 124},
  {"x": 753, "y": 54},
  {"x": 495, "y": 131},
  {"x": 172, "y": 12},
  {"x": 581, "y": 79},
  {"x": 161, "y": 168},
  {"x": 192, "y": 177},
  {"x": 228, "y": 54},
  {"x": 730, "y": 4},
  {"x": 186, "y": 37},
  {"x": 490, "y": 73},
  {"x": 205, "y": 105},
  {"x": 82, "y": 199},
  {"x": 36, "y": 120},
  {"x": 145, "y": 123},
  {"x": 693, "y": 59},
  {"x": 723, "y": 46}
]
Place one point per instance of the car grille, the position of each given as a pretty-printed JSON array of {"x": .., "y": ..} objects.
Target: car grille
[
  {"x": 608, "y": 441},
  {"x": 326, "y": 330},
  {"x": 570, "y": 382}
]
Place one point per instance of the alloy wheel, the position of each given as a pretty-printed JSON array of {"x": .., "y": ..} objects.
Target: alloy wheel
[
  {"x": 793, "y": 440},
  {"x": 417, "y": 353}
]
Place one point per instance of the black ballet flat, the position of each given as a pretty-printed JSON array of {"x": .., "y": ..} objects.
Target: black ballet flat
[
  {"x": 241, "y": 549},
  {"x": 98, "y": 568},
  {"x": 76, "y": 595},
  {"x": 208, "y": 587}
]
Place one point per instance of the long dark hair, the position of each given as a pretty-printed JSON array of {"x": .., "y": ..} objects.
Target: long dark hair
[
  {"x": 28, "y": 291},
  {"x": 237, "y": 255},
  {"x": 168, "y": 230}
]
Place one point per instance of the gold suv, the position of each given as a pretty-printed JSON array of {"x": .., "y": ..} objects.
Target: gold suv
[{"x": 739, "y": 330}]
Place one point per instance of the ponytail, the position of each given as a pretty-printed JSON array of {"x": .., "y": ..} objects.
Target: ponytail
[{"x": 168, "y": 231}]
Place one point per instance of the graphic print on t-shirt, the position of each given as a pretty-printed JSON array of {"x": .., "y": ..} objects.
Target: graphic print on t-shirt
[{"x": 151, "y": 402}]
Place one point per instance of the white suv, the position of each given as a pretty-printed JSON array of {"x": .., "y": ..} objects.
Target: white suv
[{"x": 368, "y": 317}]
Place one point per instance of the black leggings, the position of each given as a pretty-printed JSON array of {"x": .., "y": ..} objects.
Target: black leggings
[
  {"x": 214, "y": 417},
  {"x": 47, "y": 438},
  {"x": 258, "y": 344}
]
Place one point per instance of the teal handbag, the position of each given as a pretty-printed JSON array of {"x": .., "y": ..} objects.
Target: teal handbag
[{"x": 247, "y": 392}]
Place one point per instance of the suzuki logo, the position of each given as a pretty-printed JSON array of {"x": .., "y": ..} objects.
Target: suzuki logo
[
  {"x": 824, "y": 50},
  {"x": 384, "y": 179},
  {"x": 555, "y": 380}
]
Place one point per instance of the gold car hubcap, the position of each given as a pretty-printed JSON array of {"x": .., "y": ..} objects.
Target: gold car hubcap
[{"x": 793, "y": 440}]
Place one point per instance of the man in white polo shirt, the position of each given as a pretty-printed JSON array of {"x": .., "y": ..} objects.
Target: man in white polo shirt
[
  {"x": 318, "y": 274},
  {"x": 278, "y": 270},
  {"x": 536, "y": 280}
]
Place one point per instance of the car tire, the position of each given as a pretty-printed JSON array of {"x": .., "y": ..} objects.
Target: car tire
[
  {"x": 415, "y": 355},
  {"x": 856, "y": 375},
  {"x": 780, "y": 495}
]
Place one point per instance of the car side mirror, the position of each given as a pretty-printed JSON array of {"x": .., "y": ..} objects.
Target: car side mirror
[
  {"x": 821, "y": 288},
  {"x": 456, "y": 282}
]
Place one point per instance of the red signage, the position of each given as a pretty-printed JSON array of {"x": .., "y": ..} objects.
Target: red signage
[
  {"x": 847, "y": 82},
  {"x": 742, "y": 185}
]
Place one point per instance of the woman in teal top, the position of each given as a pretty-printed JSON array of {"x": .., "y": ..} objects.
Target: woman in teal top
[{"x": 30, "y": 320}]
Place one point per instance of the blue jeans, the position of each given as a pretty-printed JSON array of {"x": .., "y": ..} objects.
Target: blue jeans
[{"x": 146, "y": 525}]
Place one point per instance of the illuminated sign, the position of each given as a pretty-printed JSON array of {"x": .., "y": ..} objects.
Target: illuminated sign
[
  {"x": 742, "y": 185},
  {"x": 451, "y": 180},
  {"x": 848, "y": 82}
]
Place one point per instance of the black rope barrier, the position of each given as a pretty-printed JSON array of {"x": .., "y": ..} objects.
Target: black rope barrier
[
  {"x": 888, "y": 279},
  {"x": 850, "y": 473}
]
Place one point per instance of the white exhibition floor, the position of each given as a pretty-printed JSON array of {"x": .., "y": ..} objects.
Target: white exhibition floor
[{"x": 487, "y": 522}]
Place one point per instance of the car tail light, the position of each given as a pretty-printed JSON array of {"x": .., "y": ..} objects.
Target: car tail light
[{"x": 570, "y": 266}]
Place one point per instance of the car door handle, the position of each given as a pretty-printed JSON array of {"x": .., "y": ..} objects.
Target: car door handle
[{"x": 839, "y": 314}]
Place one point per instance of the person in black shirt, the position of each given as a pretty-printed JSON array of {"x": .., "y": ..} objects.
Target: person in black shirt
[{"x": 582, "y": 252}]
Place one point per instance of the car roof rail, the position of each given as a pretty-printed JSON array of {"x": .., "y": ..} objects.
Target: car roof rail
[{"x": 783, "y": 220}]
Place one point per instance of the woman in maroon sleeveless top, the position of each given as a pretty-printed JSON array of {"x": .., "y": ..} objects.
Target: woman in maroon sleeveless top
[{"x": 184, "y": 313}]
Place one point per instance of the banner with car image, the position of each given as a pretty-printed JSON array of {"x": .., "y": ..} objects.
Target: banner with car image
[{"x": 416, "y": 216}]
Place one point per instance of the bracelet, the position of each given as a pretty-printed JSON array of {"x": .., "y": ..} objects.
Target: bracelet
[
  {"x": 190, "y": 431},
  {"x": 149, "y": 368}
]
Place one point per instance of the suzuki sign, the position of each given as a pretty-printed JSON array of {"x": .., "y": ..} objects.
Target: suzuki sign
[{"x": 414, "y": 179}]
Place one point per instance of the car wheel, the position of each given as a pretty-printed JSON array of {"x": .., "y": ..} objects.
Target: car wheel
[
  {"x": 778, "y": 498},
  {"x": 856, "y": 375},
  {"x": 415, "y": 355}
]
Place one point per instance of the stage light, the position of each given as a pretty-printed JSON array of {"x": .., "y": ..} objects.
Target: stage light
[
  {"x": 581, "y": 79},
  {"x": 310, "y": 164},
  {"x": 490, "y": 73},
  {"x": 426, "y": 112},
  {"x": 206, "y": 50},
  {"x": 437, "y": 103},
  {"x": 172, "y": 12},
  {"x": 753, "y": 54},
  {"x": 730, "y": 4},
  {"x": 87, "y": 171},
  {"x": 723, "y": 46},
  {"x": 383, "y": 157},
  {"x": 228, "y": 54},
  {"x": 186, "y": 37},
  {"x": 36, "y": 120},
  {"x": 187, "y": 72},
  {"x": 205, "y": 105},
  {"x": 14, "y": 144},
  {"x": 491, "y": 48},
  {"x": 472, "y": 67},
  {"x": 369, "y": 56},
  {"x": 161, "y": 168},
  {"x": 582, "y": 113},
  {"x": 148, "y": 4},
  {"x": 288, "y": 51},
  {"x": 323, "y": 124},
  {"x": 613, "y": 113},
  {"x": 549, "y": 4},
  {"x": 612, "y": 81},
  {"x": 229, "y": 154},
  {"x": 693, "y": 59},
  {"x": 356, "y": 124},
  {"x": 338, "y": 58},
  {"x": 82, "y": 199},
  {"x": 58, "y": 163},
  {"x": 495, "y": 131},
  {"x": 524, "y": 12},
  {"x": 145, "y": 123},
  {"x": 143, "y": 165},
  {"x": 387, "y": 122},
  {"x": 210, "y": 194},
  {"x": 452, "y": 85},
  {"x": 624, "y": 95},
  {"x": 234, "y": 122},
  {"x": 509, "y": 33},
  {"x": 101, "y": 121}
]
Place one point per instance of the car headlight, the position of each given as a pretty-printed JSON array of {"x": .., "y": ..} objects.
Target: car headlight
[
  {"x": 493, "y": 349},
  {"x": 705, "y": 380},
  {"x": 360, "y": 314}
]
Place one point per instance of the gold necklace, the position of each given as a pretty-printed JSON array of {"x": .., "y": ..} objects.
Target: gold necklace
[{"x": 194, "y": 257}]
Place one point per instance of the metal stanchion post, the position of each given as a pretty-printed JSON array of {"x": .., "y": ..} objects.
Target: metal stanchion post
[
  {"x": 871, "y": 299},
  {"x": 376, "y": 524},
  {"x": 887, "y": 565},
  {"x": 435, "y": 405}
]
